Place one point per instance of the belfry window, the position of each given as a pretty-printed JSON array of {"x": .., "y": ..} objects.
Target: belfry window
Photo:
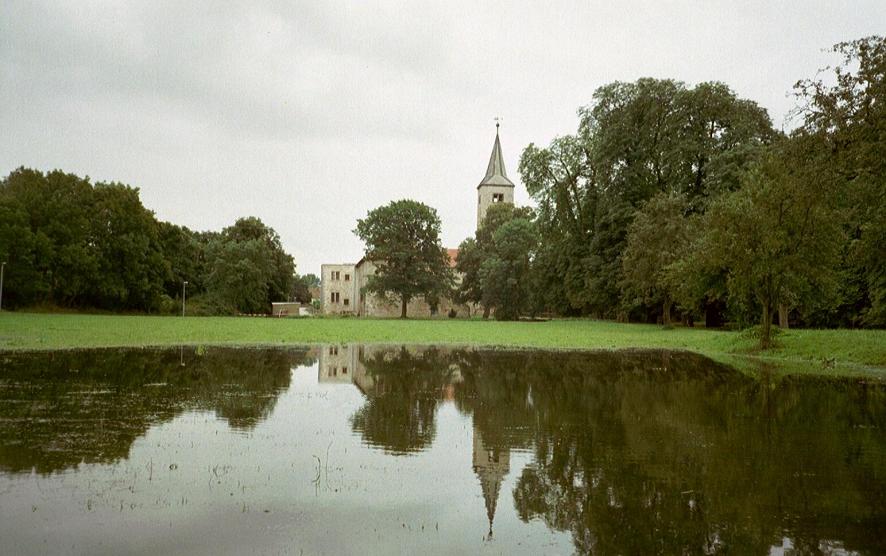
[{"x": 498, "y": 197}]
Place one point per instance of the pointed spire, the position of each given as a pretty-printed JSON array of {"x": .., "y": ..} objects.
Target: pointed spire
[
  {"x": 495, "y": 171},
  {"x": 491, "y": 466},
  {"x": 490, "y": 484}
]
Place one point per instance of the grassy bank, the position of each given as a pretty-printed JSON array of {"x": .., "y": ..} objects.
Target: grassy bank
[{"x": 825, "y": 351}]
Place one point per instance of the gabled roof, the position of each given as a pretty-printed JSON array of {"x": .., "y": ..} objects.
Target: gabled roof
[{"x": 495, "y": 172}]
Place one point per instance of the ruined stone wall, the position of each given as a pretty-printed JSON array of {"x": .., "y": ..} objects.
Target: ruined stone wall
[
  {"x": 338, "y": 279},
  {"x": 372, "y": 305}
]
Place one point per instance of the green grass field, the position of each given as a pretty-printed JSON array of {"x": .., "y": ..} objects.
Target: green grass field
[{"x": 816, "y": 351}]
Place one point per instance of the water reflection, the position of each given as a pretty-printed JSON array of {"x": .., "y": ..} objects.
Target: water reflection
[
  {"x": 60, "y": 409},
  {"x": 439, "y": 449},
  {"x": 643, "y": 452}
]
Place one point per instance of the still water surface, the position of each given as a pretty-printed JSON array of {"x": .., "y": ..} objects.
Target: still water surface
[{"x": 352, "y": 449}]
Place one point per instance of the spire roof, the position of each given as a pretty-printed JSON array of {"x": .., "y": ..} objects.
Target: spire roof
[
  {"x": 495, "y": 172},
  {"x": 490, "y": 484}
]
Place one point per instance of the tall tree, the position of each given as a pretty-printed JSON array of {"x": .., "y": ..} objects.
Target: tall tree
[
  {"x": 281, "y": 264},
  {"x": 184, "y": 254},
  {"x": 505, "y": 273},
  {"x": 58, "y": 206},
  {"x": 657, "y": 238},
  {"x": 493, "y": 267},
  {"x": 249, "y": 269},
  {"x": 562, "y": 181},
  {"x": 777, "y": 235},
  {"x": 403, "y": 240},
  {"x": 130, "y": 262},
  {"x": 846, "y": 112},
  {"x": 634, "y": 140},
  {"x": 21, "y": 249}
]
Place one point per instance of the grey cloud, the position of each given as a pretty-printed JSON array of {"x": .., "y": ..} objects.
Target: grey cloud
[{"x": 308, "y": 114}]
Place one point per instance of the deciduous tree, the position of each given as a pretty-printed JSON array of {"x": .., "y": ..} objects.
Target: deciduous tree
[
  {"x": 777, "y": 235},
  {"x": 403, "y": 240},
  {"x": 657, "y": 238}
]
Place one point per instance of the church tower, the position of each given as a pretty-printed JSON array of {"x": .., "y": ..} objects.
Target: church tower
[{"x": 495, "y": 187}]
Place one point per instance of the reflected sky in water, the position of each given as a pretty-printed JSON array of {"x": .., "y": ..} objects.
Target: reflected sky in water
[{"x": 353, "y": 449}]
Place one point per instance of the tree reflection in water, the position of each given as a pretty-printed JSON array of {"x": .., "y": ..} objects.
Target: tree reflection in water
[
  {"x": 628, "y": 452},
  {"x": 650, "y": 452},
  {"x": 60, "y": 409}
]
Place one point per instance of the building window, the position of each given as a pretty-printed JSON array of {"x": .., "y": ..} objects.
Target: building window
[
  {"x": 336, "y": 275},
  {"x": 347, "y": 277},
  {"x": 347, "y": 302},
  {"x": 344, "y": 370},
  {"x": 333, "y": 350},
  {"x": 334, "y": 297},
  {"x": 498, "y": 197}
]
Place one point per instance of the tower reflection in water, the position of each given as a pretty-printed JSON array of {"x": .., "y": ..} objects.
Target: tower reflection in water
[
  {"x": 634, "y": 451},
  {"x": 403, "y": 388}
]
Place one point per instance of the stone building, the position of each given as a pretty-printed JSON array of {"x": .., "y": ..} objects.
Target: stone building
[
  {"x": 342, "y": 286},
  {"x": 337, "y": 288},
  {"x": 337, "y": 364}
]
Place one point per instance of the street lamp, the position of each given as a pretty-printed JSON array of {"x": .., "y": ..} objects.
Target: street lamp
[
  {"x": 2, "y": 268},
  {"x": 184, "y": 287}
]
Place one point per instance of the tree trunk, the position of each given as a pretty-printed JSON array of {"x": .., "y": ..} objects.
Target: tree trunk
[
  {"x": 666, "y": 312},
  {"x": 783, "y": 312},
  {"x": 485, "y": 312},
  {"x": 403, "y": 302},
  {"x": 766, "y": 326}
]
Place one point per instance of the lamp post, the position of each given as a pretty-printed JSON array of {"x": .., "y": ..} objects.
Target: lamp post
[
  {"x": 2, "y": 268},
  {"x": 184, "y": 288}
]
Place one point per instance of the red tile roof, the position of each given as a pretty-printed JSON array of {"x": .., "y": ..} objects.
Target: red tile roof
[{"x": 453, "y": 256}]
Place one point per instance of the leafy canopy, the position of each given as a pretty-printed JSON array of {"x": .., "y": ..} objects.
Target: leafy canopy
[{"x": 403, "y": 240}]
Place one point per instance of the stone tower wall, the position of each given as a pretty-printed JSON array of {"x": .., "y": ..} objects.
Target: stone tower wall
[{"x": 485, "y": 198}]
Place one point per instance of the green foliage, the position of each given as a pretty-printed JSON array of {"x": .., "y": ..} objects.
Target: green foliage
[
  {"x": 68, "y": 243},
  {"x": 301, "y": 287},
  {"x": 777, "y": 235},
  {"x": 403, "y": 240},
  {"x": 846, "y": 113},
  {"x": 184, "y": 259},
  {"x": 496, "y": 264},
  {"x": 248, "y": 268},
  {"x": 657, "y": 238},
  {"x": 634, "y": 141},
  {"x": 128, "y": 252},
  {"x": 505, "y": 271}
]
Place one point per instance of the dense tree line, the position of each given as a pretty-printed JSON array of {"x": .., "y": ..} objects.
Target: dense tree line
[
  {"x": 671, "y": 197},
  {"x": 70, "y": 243}
]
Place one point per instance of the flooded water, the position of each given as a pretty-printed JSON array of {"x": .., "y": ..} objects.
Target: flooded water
[{"x": 351, "y": 449}]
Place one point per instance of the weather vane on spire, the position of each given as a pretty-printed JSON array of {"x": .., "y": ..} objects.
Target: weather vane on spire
[{"x": 497, "y": 122}]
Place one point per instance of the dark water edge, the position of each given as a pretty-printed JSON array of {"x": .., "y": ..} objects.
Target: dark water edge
[{"x": 339, "y": 449}]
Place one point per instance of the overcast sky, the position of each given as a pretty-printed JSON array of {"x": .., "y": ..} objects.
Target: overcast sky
[{"x": 308, "y": 115}]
